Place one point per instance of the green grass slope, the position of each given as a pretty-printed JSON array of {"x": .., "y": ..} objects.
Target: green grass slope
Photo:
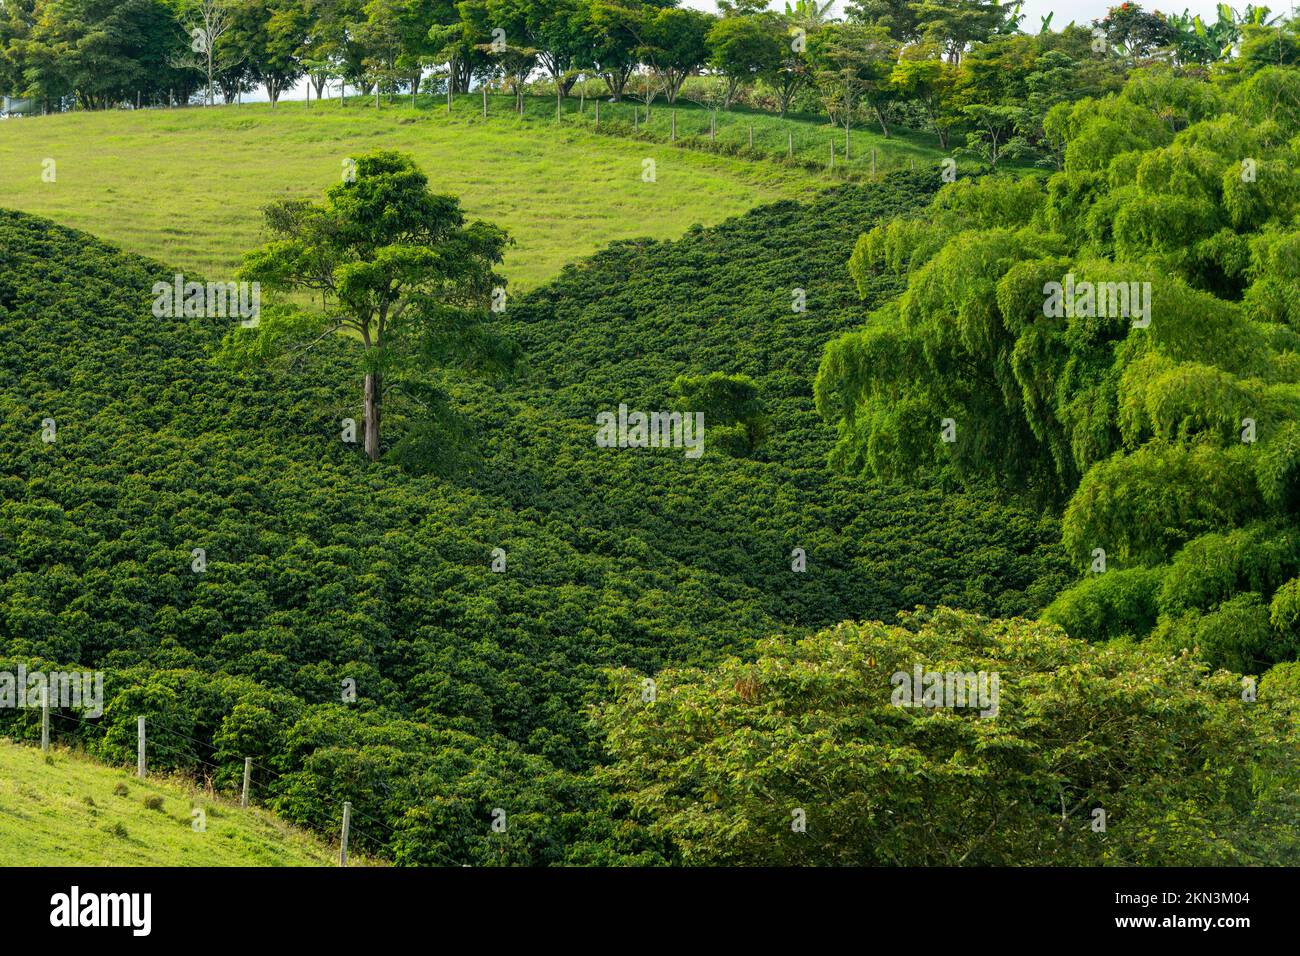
[
  {"x": 805, "y": 139},
  {"x": 186, "y": 185},
  {"x": 73, "y": 811}
]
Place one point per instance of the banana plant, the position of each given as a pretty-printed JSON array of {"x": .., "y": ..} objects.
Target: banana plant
[{"x": 809, "y": 13}]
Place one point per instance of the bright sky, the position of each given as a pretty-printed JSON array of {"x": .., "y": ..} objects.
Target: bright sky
[{"x": 1085, "y": 11}]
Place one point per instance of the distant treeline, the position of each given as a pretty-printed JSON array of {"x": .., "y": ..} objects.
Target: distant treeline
[{"x": 949, "y": 66}]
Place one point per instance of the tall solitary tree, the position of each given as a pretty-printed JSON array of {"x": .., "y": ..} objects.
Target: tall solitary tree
[
  {"x": 206, "y": 22},
  {"x": 396, "y": 266}
]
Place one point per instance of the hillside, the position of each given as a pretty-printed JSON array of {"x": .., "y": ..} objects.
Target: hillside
[
  {"x": 73, "y": 811},
  {"x": 804, "y": 138},
  {"x": 472, "y": 686},
  {"x": 623, "y": 434},
  {"x": 187, "y": 184}
]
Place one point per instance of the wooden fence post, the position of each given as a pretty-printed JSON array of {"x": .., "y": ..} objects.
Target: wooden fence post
[
  {"x": 45, "y": 719},
  {"x": 347, "y": 826},
  {"x": 139, "y": 748},
  {"x": 248, "y": 779}
]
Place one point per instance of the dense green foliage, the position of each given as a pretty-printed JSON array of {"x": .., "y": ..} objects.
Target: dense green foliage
[
  {"x": 944, "y": 67},
  {"x": 322, "y": 567},
  {"x": 428, "y": 628},
  {"x": 725, "y": 761},
  {"x": 1163, "y": 411}
]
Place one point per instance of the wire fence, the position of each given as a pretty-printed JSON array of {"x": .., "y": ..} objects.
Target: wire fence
[{"x": 154, "y": 726}]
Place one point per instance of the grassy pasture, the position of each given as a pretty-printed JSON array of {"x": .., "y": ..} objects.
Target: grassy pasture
[
  {"x": 186, "y": 185},
  {"x": 73, "y": 811}
]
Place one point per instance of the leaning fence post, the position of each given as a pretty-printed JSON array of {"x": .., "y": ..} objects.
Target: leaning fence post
[
  {"x": 248, "y": 779},
  {"x": 347, "y": 826}
]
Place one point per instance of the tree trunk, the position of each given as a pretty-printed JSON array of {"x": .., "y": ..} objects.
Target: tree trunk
[{"x": 373, "y": 400}]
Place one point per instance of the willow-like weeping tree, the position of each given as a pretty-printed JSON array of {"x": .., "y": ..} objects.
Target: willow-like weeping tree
[{"x": 1122, "y": 340}]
